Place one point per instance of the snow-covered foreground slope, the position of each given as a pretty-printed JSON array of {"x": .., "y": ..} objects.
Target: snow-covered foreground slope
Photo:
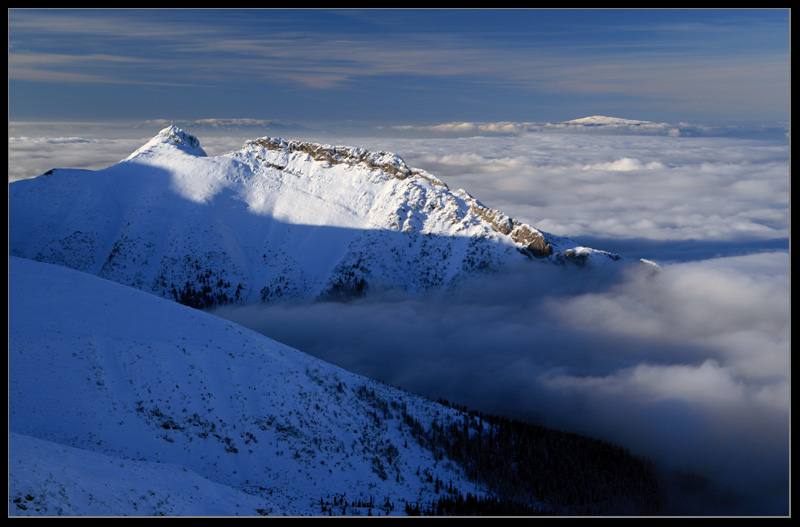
[
  {"x": 277, "y": 219},
  {"x": 124, "y": 403}
]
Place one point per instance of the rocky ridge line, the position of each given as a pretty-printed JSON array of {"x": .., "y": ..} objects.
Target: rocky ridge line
[{"x": 532, "y": 241}]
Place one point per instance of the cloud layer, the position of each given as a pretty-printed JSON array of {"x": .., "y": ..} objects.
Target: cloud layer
[{"x": 689, "y": 366}]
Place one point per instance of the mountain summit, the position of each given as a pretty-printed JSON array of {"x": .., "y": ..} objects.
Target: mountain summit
[
  {"x": 276, "y": 219},
  {"x": 172, "y": 135}
]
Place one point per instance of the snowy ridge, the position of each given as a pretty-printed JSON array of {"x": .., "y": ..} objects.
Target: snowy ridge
[
  {"x": 388, "y": 163},
  {"x": 161, "y": 409},
  {"x": 121, "y": 403},
  {"x": 171, "y": 135},
  {"x": 277, "y": 219}
]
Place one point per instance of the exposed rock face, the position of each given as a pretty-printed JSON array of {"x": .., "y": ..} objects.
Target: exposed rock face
[
  {"x": 387, "y": 162},
  {"x": 182, "y": 138},
  {"x": 533, "y": 242}
]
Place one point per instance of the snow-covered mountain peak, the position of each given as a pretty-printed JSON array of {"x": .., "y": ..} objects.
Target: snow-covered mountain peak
[
  {"x": 276, "y": 219},
  {"x": 172, "y": 136},
  {"x": 420, "y": 201}
]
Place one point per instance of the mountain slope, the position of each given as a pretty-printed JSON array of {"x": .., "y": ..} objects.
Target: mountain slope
[
  {"x": 153, "y": 394},
  {"x": 122, "y": 403},
  {"x": 277, "y": 219}
]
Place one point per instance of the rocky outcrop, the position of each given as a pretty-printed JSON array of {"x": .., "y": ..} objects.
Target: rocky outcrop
[
  {"x": 390, "y": 164},
  {"x": 532, "y": 241}
]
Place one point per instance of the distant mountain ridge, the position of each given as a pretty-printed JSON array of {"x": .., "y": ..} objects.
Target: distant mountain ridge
[
  {"x": 276, "y": 219},
  {"x": 603, "y": 120}
]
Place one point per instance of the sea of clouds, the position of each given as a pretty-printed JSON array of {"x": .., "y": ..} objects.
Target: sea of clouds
[{"x": 690, "y": 366}]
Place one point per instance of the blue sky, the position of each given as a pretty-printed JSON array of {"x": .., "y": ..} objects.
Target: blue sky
[{"x": 398, "y": 67}]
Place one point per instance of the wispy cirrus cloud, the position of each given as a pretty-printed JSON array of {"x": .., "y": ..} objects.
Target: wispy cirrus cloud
[{"x": 693, "y": 69}]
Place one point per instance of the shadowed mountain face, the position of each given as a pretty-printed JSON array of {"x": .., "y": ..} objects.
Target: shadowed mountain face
[
  {"x": 121, "y": 403},
  {"x": 275, "y": 220}
]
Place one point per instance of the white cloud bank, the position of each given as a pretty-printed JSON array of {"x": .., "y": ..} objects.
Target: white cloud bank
[{"x": 689, "y": 366}]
